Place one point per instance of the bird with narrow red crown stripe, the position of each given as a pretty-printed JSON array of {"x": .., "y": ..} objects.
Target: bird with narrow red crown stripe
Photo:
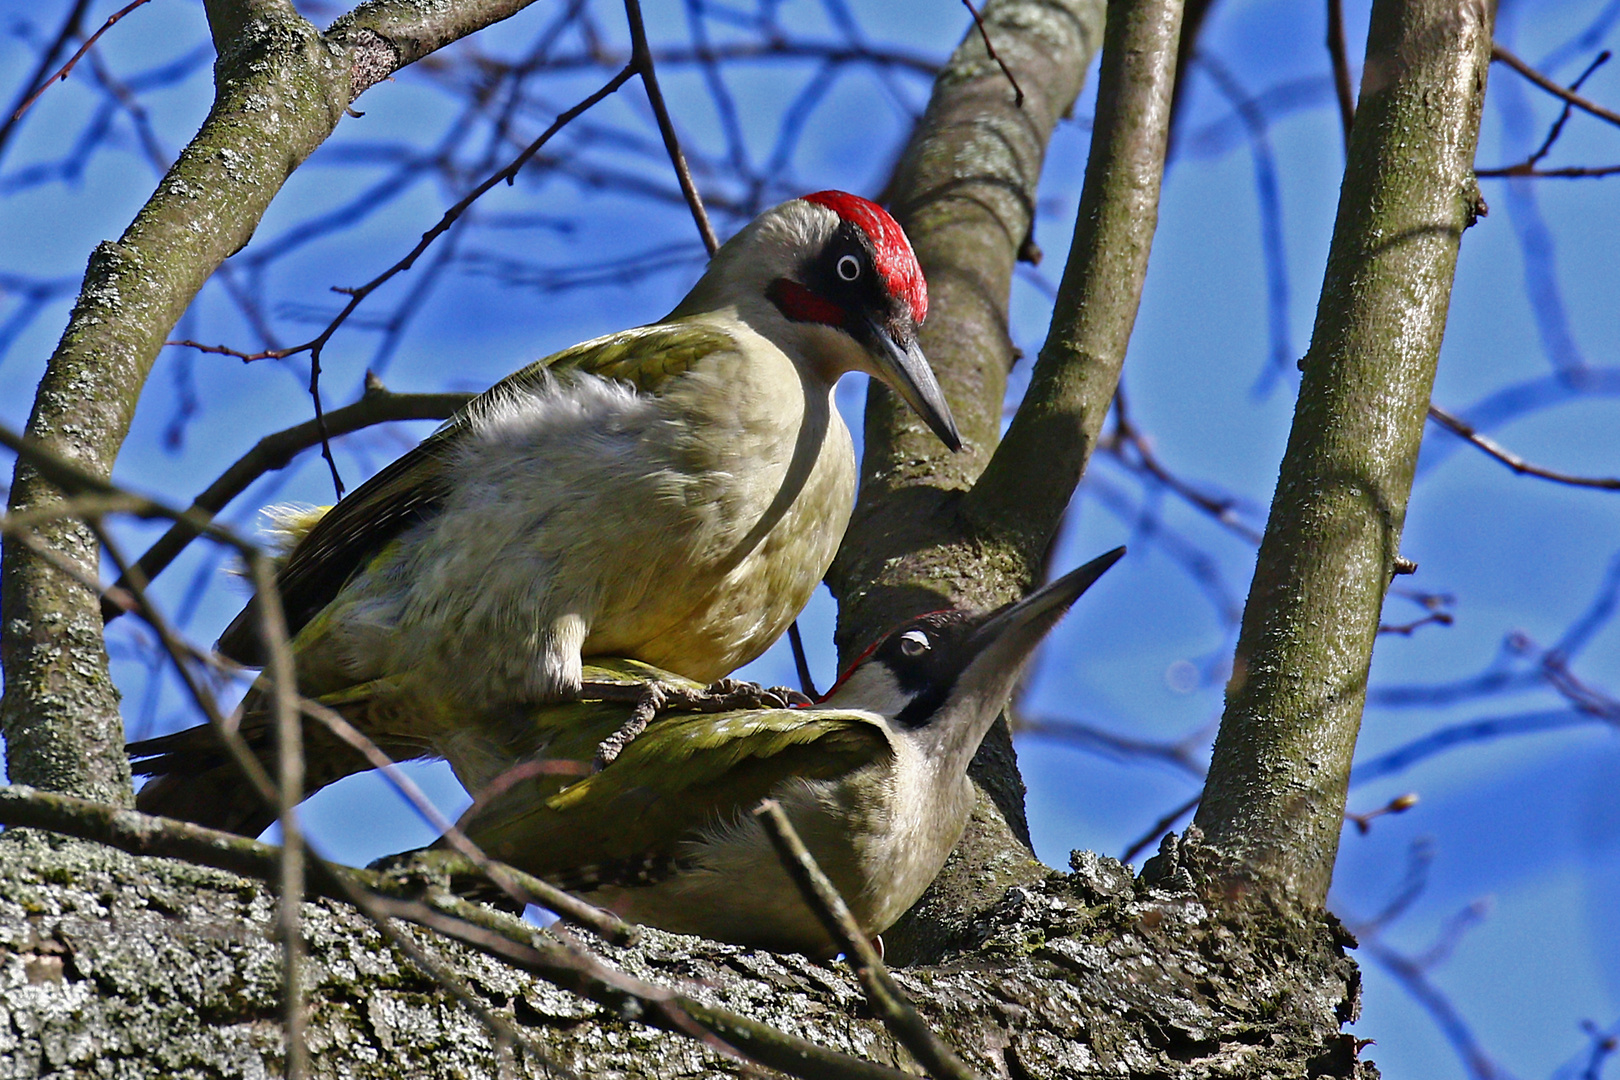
[{"x": 670, "y": 494}]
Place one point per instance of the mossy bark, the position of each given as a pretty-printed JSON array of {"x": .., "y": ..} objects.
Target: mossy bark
[
  {"x": 1281, "y": 765},
  {"x": 117, "y": 966}
]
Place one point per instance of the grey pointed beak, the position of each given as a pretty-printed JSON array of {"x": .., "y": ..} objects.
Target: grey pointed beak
[
  {"x": 905, "y": 369},
  {"x": 1009, "y": 636}
]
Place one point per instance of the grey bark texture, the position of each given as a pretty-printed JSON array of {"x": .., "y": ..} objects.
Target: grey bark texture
[
  {"x": 116, "y": 966},
  {"x": 1281, "y": 765}
]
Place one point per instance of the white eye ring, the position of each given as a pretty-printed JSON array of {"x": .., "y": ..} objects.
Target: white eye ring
[
  {"x": 914, "y": 643},
  {"x": 849, "y": 268}
]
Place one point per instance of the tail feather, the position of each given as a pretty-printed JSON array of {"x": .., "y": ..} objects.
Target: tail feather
[{"x": 194, "y": 779}]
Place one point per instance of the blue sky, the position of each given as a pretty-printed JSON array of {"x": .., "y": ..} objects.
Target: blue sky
[{"x": 1519, "y": 830}]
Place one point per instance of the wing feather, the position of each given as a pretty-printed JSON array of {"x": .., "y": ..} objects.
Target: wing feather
[
  {"x": 684, "y": 774},
  {"x": 414, "y": 487}
]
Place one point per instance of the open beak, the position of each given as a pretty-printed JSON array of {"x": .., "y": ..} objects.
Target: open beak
[
  {"x": 905, "y": 369},
  {"x": 1009, "y": 636}
]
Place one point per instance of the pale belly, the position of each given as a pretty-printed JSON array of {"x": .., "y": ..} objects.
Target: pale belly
[{"x": 720, "y": 592}]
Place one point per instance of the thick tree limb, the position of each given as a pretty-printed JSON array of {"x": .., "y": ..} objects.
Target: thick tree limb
[
  {"x": 503, "y": 935},
  {"x": 965, "y": 192},
  {"x": 1275, "y": 797},
  {"x": 1027, "y": 485}
]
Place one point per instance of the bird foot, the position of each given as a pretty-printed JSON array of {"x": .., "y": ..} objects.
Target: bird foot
[{"x": 726, "y": 695}]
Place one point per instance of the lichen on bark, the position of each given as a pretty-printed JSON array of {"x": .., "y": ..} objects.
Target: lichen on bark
[{"x": 113, "y": 965}]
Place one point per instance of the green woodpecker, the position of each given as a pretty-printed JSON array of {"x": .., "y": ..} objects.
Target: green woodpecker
[
  {"x": 671, "y": 494},
  {"x": 874, "y": 779}
]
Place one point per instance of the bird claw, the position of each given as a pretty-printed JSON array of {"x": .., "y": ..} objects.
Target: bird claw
[{"x": 723, "y": 695}]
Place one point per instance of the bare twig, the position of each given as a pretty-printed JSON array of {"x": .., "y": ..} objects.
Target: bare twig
[
  {"x": 984, "y": 35},
  {"x": 290, "y": 792},
  {"x": 801, "y": 663},
  {"x": 1512, "y": 61},
  {"x": 1407, "y": 629},
  {"x": 888, "y": 1001},
  {"x": 641, "y": 60},
  {"x": 1400, "y": 804},
  {"x": 506, "y": 175},
  {"x": 522, "y": 887},
  {"x": 1527, "y": 167},
  {"x": 1338, "y": 51},
  {"x": 1458, "y": 426},
  {"x": 74, "y": 480},
  {"x": 1158, "y": 828},
  {"x": 378, "y": 405},
  {"x": 67, "y": 68},
  {"x": 1570, "y": 172},
  {"x": 37, "y": 81}
]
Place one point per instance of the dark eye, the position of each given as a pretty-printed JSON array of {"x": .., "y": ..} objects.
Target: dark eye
[
  {"x": 849, "y": 269},
  {"x": 914, "y": 643}
]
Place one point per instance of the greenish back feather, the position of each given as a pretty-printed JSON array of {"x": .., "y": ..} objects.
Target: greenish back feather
[
  {"x": 414, "y": 487},
  {"x": 684, "y": 773}
]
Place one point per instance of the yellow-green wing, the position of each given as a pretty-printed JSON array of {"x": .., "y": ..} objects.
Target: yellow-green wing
[
  {"x": 415, "y": 486},
  {"x": 685, "y": 772}
]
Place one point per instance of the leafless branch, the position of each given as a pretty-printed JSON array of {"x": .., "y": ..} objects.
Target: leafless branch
[
  {"x": 67, "y": 68},
  {"x": 37, "y": 81},
  {"x": 642, "y": 61},
  {"x": 521, "y": 887},
  {"x": 1400, "y": 804},
  {"x": 888, "y": 1001},
  {"x": 1338, "y": 52},
  {"x": 1458, "y": 426},
  {"x": 1498, "y": 52},
  {"x": 984, "y": 35},
  {"x": 290, "y": 792},
  {"x": 377, "y": 405},
  {"x": 1571, "y": 172},
  {"x": 1160, "y": 827}
]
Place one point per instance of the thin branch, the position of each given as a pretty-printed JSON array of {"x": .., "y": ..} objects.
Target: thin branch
[
  {"x": 67, "y": 68},
  {"x": 1338, "y": 51},
  {"x": 1400, "y": 804},
  {"x": 642, "y": 62},
  {"x": 506, "y": 175},
  {"x": 1407, "y": 629},
  {"x": 290, "y": 792},
  {"x": 377, "y": 405},
  {"x": 76, "y": 481},
  {"x": 1571, "y": 172},
  {"x": 1458, "y": 426},
  {"x": 888, "y": 1001},
  {"x": 521, "y": 887},
  {"x": 1018, "y": 91},
  {"x": 801, "y": 663},
  {"x": 1158, "y": 828},
  {"x": 1512, "y": 61},
  {"x": 37, "y": 81}
]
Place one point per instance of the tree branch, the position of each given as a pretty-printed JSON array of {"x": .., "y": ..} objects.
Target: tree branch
[
  {"x": 1460, "y": 427},
  {"x": 1028, "y": 483},
  {"x": 888, "y": 1001},
  {"x": 60, "y": 716},
  {"x": 490, "y": 931},
  {"x": 965, "y": 193},
  {"x": 1569, "y": 96},
  {"x": 378, "y": 405},
  {"x": 1274, "y": 801}
]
